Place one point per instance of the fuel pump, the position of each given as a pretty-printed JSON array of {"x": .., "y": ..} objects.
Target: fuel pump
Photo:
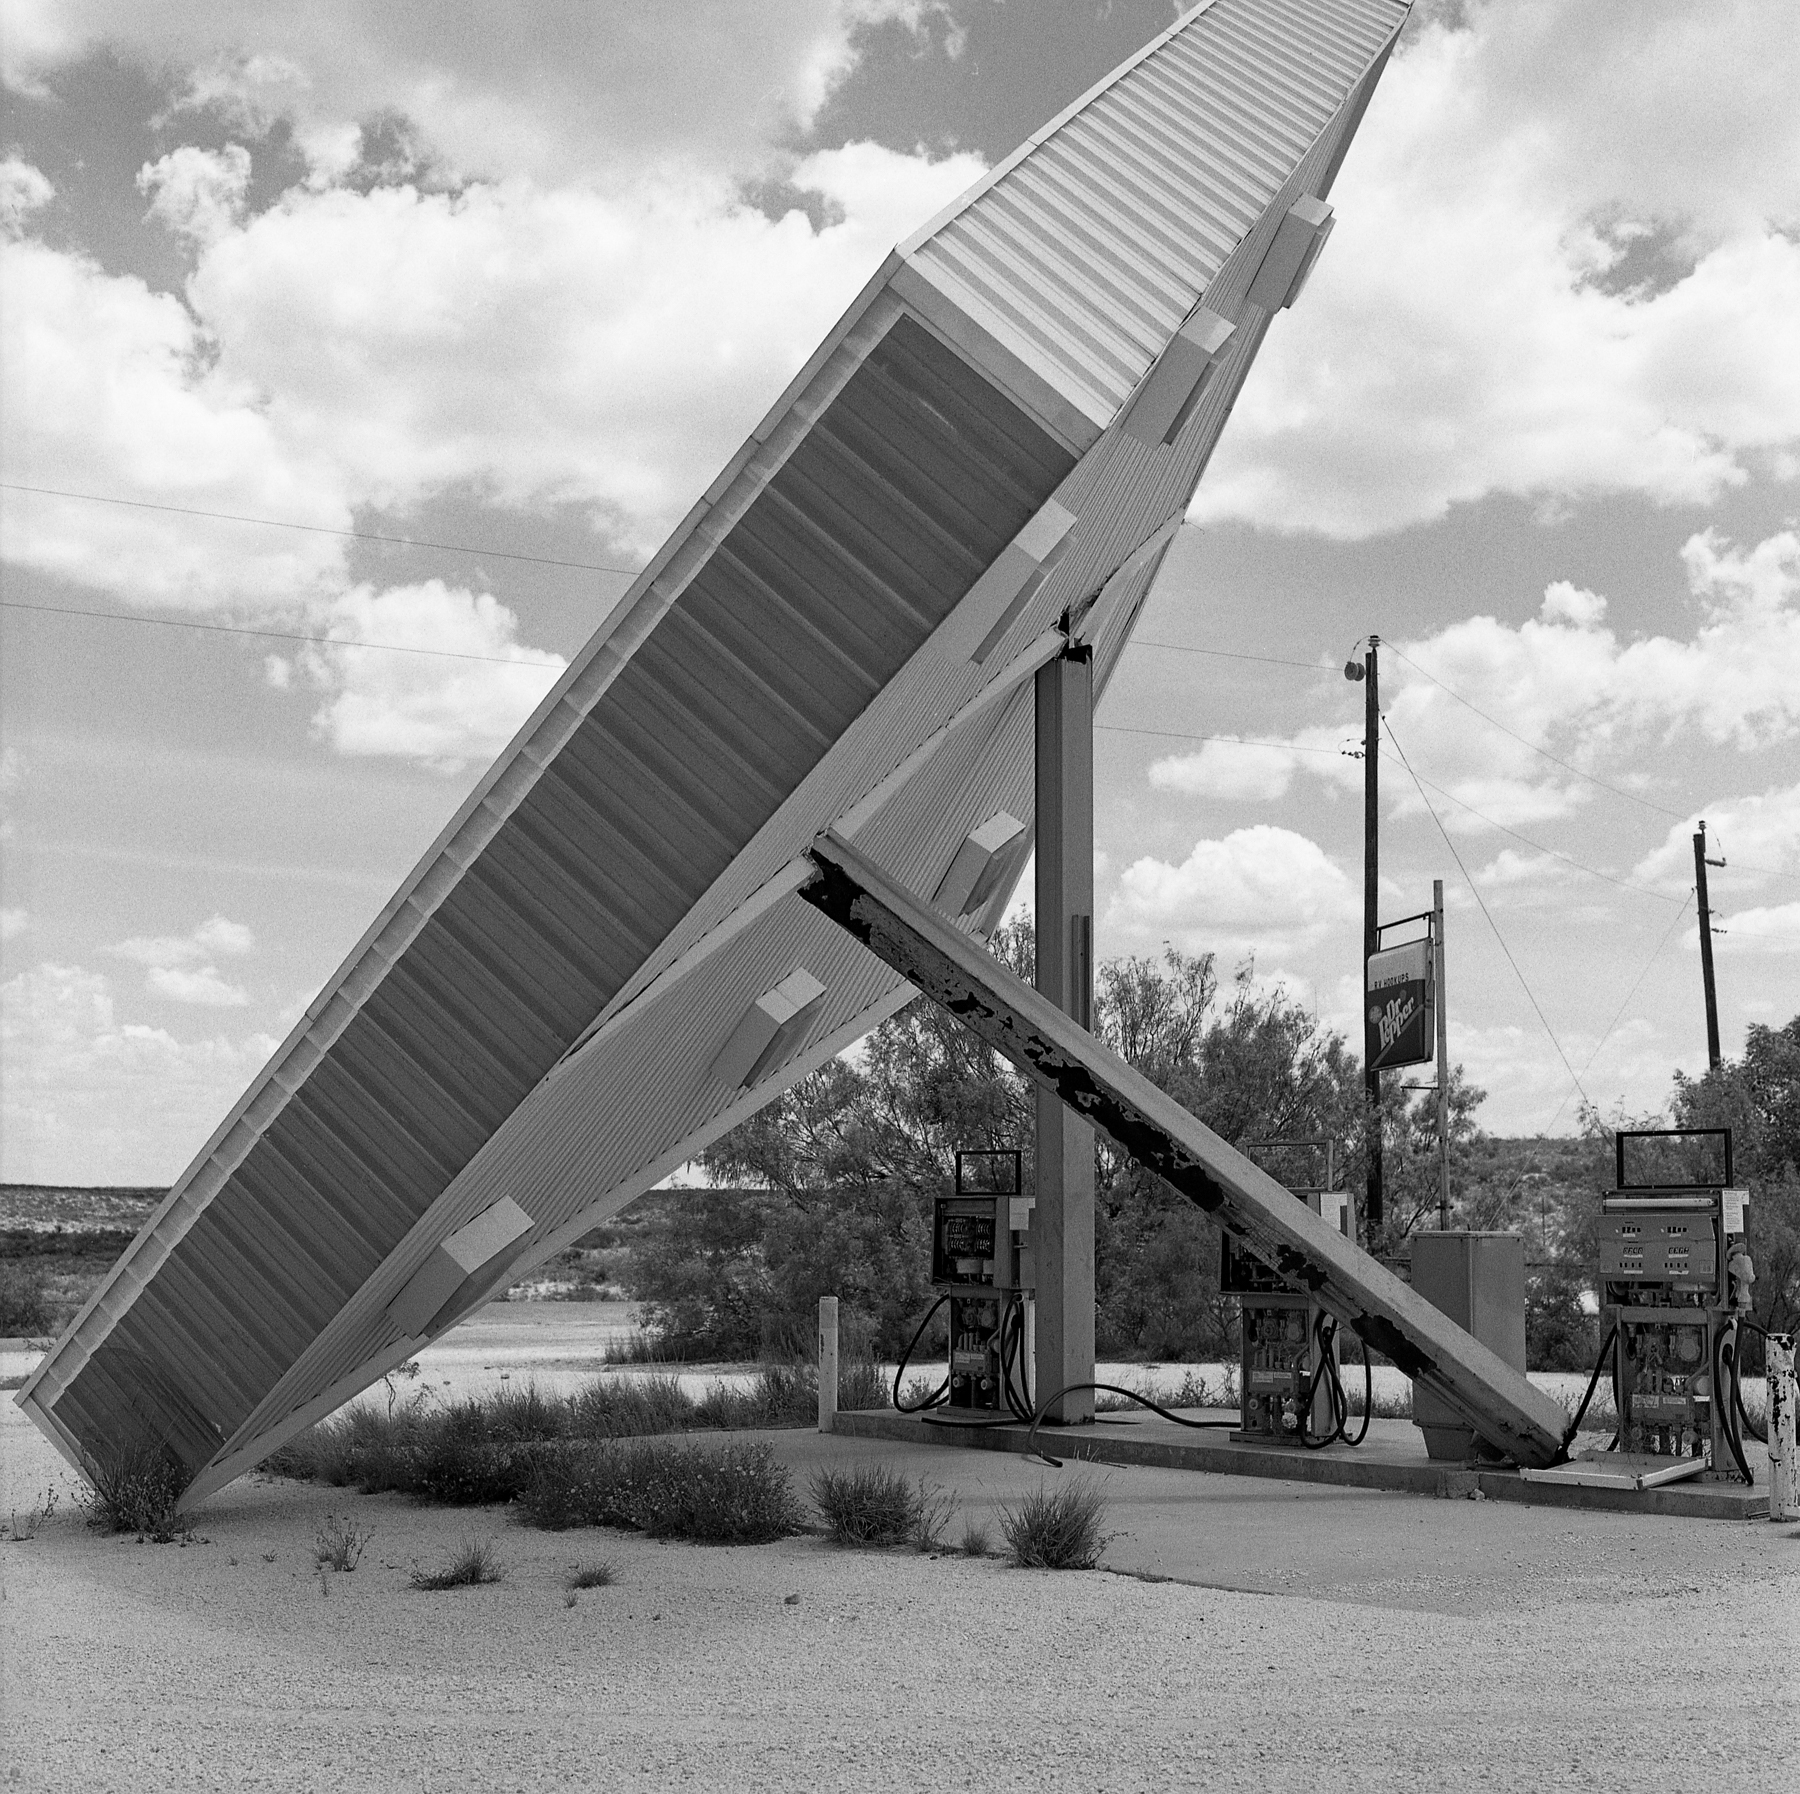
[
  {"x": 1675, "y": 1278},
  {"x": 981, "y": 1268},
  {"x": 1290, "y": 1390}
]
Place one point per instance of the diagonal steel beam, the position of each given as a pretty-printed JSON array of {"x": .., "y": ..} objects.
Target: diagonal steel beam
[{"x": 1496, "y": 1400}]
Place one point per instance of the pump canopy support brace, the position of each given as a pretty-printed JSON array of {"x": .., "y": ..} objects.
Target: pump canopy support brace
[{"x": 1498, "y": 1402}]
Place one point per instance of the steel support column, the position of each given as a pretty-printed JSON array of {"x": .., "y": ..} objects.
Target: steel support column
[{"x": 1062, "y": 1229}]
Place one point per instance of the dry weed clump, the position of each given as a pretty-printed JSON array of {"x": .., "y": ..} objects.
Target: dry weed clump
[
  {"x": 473, "y": 1564},
  {"x": 593, "y": 1575},
  {"x": 1060, "y": 1530},
  {"x": 870, "y": 1505},
  {"x": 339, "y": 1544},
  {"x": 134, "y": 1488}
]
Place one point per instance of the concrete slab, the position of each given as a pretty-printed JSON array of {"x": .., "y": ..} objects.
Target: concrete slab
[
  {"x": 1364, "y": 1548},
  {"x": 1391, "y": 1458}
]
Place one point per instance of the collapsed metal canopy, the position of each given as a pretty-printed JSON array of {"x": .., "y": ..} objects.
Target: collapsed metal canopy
[{"x": 602, "y": 963}]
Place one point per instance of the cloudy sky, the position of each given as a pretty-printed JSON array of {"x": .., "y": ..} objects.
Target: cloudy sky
[{"x": 516, "y": 280}]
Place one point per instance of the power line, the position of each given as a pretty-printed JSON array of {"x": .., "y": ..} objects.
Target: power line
[
  {"x": 1268, "y": 660},
  {"x": 1616, "y": 790},
  {"x": 279, "y": 635},
  {"x": 1498, "y": 936},
  {"x": 1539, "y": 847},
  {"x": 316, "y": 529},
  {"x": 1286, "y": 747},
  {"x": 1668, "y": 935}
]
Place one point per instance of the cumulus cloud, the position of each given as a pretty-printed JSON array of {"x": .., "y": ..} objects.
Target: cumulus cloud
[
  {"x": 1261, "y": 888},
  {"x": 87, "y": 1097},
  {"x": 1537, "y": 286},
  {"x": 201, "y": 985},
  {"x": 1236, "y": 772},
  {"x": 110, "y": 390},
  {"x": 433, "y": 709},
  {"x": 1563, "y": 694},
  {"x": 180, "y": 966},
  {"x": 557, "y": 92},
  {"x": 198, "y": 194},
  {"x": 1764, "y": 929},
  {"x": 1756, "y": 836},
  {"x": 23, "y": 190}
]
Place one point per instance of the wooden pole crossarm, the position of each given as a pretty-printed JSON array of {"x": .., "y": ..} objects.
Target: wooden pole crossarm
[{"x": 1498, "y": 1402}]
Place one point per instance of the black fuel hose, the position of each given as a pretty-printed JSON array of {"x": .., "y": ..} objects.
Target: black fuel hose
[
  {"x": 1143, "y": 1401},
  {"x": 1743, "y": 1423},
  {"x": 1723, "y": 1344},
  {"x": 1019, "y": 1399},
  {"x": 1324, "y": 1332},
  {"x": 1574, "y": 1425},
  {"x": 1012, "y": 1351},
  {"x": 938, "y": 1396}
]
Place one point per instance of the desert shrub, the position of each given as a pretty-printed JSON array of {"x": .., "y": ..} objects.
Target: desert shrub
[
  {"x": 454, "y": 1470},
  {"x": 862, "y": 1383},
  {"x": 473, "y": 1564},
  {"x": 1057, "y": 1531},
  {"x": 730, "y": 1495},
  {"x": 593, "y": 1575},
  {"x": 710, "y": 1495},
  {"x": 1558, "y": 1334},
  {"x": 24, "y": 1299},
  {"x": 489, "y": 1449},
  {"x": 977, "y": 1541},
  {"x": 134, "y": 1488},
  {"x": 932, "y": 1516},
  {"x": 339, "y": 1544},
  {"x": 779, "y": 1395},
  {"x": 629, "y": 1408},
  {"x": 868, "y": 1505},
  {"x": 698, "y": 1275}
]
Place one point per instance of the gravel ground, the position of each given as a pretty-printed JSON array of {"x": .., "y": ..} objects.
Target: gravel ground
[{"x": 1472, "y": 1643}]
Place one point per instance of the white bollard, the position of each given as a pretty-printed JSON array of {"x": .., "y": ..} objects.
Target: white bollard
[
  {"x": 1784, "y": 1461},
  {"x": 828, "y": 1363}
]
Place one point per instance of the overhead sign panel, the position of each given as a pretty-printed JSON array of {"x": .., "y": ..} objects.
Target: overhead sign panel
[
  {"x": 1398, "y": 1015},
  {"x": 841, "y": 633}
]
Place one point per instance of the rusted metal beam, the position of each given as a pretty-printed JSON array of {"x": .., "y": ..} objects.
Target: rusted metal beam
[{"x": 1496, "y": 1400}]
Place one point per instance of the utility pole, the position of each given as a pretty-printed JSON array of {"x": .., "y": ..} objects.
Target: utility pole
[
  {"x": 1373, "y": 1205},
  {"x": 1443, "y": 1053},
  {"x": 1701, "y": 862}
]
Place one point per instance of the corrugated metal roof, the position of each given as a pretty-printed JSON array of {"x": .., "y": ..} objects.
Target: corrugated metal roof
[
  {"x": 1084, "y": 253},
  {"x": 536, "y": 1013}
]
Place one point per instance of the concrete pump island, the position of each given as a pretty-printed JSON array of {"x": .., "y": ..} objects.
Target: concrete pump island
[{"x": 790, "y": 786}]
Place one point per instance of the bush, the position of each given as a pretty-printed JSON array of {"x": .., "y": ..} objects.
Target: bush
[
  {"x": 711, "y": 1495},
  {"x": 1060, "y": 1531},
  {"x": 976, "y": 1540},
  {"x": 1558, "y": 1334},
  {"x": 778, "y": 1396},
  {"x": 595, "y": 1575},
  {"x": 865, "y": 1506},
  {"x": 474, "y": 1564},
  {"x": 630, "y": 1407},
  {"x": 24, "y": 1300},
  {"x": 135, "y": 1489}
]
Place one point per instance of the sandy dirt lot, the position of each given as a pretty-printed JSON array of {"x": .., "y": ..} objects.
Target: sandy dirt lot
[{"x": 1310, "y": 1638}]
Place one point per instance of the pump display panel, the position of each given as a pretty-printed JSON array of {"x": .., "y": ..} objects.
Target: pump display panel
[{"x": 964, "y": 1242}]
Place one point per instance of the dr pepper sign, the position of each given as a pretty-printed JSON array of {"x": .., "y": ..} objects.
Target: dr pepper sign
[{"x": 1398, "y": 1019}]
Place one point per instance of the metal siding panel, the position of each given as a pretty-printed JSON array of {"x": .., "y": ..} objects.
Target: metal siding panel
[{"x": 1084, "y": 273}]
